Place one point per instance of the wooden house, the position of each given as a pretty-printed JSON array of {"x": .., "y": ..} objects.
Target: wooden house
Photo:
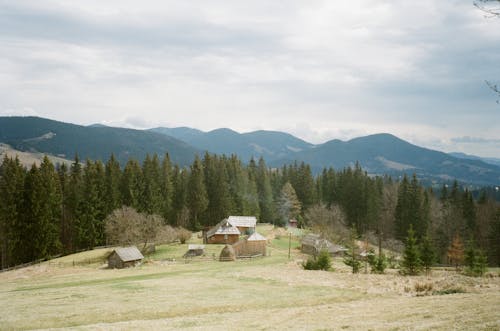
[
  {"x": 246, "y": 224},
  {"x": 222, "y": 233},
  {"x": 125, "y": 257}
]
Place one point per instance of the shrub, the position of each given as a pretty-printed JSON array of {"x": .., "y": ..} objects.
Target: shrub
[
  {"x": 322, "y": 262},
  {"x": 378, "y": 264},
  {"x": 183, "y": 235}
]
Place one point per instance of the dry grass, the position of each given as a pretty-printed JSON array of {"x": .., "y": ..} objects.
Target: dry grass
[
  {"x": 264, "y": 294},
  {"x": 28, "y": 158}
]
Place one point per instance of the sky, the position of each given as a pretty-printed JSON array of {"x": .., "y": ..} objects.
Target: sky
[{"x": 319, "y": 70}]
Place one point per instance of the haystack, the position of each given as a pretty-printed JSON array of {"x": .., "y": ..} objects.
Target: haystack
[{"x": 227, "y": 254}]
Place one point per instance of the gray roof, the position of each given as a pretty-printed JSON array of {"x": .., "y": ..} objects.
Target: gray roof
[
  {"x": 310, "y": 239},
  {"x": 319, "y": 244},
  {"x": 223, "y": 227},
  {"x": 127, "y": 254},
  {"x": 256, "y": 237},
  {"x": 194, "y": 247},
  {"x": 243, "y": 221}
]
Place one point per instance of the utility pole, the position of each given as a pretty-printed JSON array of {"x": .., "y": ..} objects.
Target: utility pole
[{"x": 289, "y": 244}]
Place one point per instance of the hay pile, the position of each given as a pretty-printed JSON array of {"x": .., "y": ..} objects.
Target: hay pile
[{"x": 227, "y": 254}]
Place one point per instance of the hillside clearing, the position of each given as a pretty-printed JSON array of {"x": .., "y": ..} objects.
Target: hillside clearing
[{"x": 171, "y": 293}]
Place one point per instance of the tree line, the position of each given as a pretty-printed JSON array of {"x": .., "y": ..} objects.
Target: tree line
[{"x": 49, "y": 209}]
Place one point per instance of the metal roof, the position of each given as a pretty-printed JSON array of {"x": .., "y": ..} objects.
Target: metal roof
[
  {"x": 127, "y": 254},
  {"x": 243, "y": 221},
  {"x": 256, "y": 237}
]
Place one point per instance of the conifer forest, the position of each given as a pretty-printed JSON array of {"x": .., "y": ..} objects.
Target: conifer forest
[{"x": 49, "y": 210}]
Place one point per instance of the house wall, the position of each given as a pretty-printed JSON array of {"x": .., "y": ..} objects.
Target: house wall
[
  {"x": 114, "y": 261},
  {"x": 250, "y": 248},
  {"x": 219, "y": 239}
]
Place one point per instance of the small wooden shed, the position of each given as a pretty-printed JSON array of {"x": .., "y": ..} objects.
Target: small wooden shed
[
  {"x": 195, "y": 250},
  {"x": 312, "y": 244},
  {"x": 125, "y": 257},
  {"x": 309, "y": 242}
]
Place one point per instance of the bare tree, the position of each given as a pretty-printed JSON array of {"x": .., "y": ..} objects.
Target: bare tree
[
  {"x": 330, "y": 222},
  {"x": 125, "y": 226},
  {"x": 491, "y": 8}
]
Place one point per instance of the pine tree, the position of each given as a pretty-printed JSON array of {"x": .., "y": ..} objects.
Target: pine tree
[
  {"x": 196, "y": 193},
  {"x": 351, "y": 256},
  {"x": 113, "y": 178},
  {"x": 72, "y": 200},
  {"x": 474, "y": 259},
  {"x": 166, "y": 186},
  {"x": 88, "y": 221},
  {"x": 264, "y": 192},
  {"x": 427, "y": 253},
  {"x": 151, "y": 198},
  {"x": 411, "y": 264},
  {"x": 48, "y": 223},
  {"x": 131, "y": 185},
  {"x": 289, "y": 204},
  {"x": 66, "y": 224},
  {"x": 12, "y": 176}
]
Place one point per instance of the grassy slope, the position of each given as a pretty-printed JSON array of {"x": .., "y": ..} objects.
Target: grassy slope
[{"x": 266, "y": 293}]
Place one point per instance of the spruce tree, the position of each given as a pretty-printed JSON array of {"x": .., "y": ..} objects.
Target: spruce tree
[
  {"x": 196, "y": 193},
  {"x": 351, "y": 257},
  {"x": 427, "y": 253},
  {"x": 131, "y": 186},
  {"x": 166, "y": 186},
  {"x": 289, "y": 204},
  {"x": 411, "y": 264},
  {"x": 264, "y": 191},
  {"x": 48, "y": 222},
  {"x": 113, "y": 178},
  {"x": 151, "y": 198},
  {"x": 12, "y": 176}
]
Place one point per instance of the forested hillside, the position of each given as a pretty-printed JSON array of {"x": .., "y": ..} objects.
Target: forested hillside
[
  {"x": 45, "y": 211},
  {"x": 96, "y": 142}
]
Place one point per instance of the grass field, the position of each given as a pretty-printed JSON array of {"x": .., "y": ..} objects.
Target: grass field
[{"x": 270, "y": 293}]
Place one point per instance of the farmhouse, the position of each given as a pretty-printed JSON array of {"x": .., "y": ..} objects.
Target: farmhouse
[
  {"x": 124, "y": 257},
  {"x": 223, "y": 233},
  {"x": 254, "y": 245},
  {"x": 246, "y": 224},
  {"x": 312, "y": 244}
]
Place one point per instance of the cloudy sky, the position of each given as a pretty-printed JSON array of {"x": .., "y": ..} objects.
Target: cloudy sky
[{"x": 317, "y": 69}]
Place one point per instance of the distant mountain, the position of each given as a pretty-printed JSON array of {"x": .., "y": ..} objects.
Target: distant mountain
[
  {"x": 271, "y": 145},
  {"x": 490, "y": 160},
  {"x": 34, "y": 134},
  {"x": 378, "y": 154},
  {"x": 387, "y": 154}
]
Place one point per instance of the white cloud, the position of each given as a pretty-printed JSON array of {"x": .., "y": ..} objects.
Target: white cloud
[{"x": 318, "y": 69}]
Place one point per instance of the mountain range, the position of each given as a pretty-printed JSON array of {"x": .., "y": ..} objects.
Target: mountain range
[{"x": 378, "y": 154}]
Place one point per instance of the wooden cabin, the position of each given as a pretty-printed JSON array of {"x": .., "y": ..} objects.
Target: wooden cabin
[
  {"x": 125, "y": 257},
  {"x": 222, "y": 233}
]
